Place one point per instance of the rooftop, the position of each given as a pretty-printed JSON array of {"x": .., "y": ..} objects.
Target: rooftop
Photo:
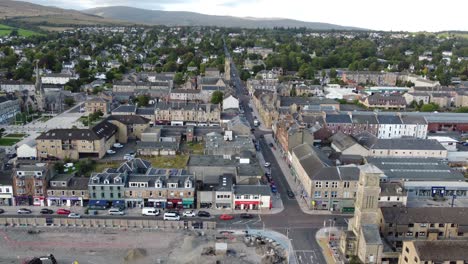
[
  {"x": 408, "y": 144},
  {"x": 252, "y": 189},
  {"x": 210, "y": 160},
  {"x": 411, "y": 215},
  {"x": 442, "y": 250}
]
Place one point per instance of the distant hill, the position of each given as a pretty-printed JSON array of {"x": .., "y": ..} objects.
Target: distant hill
[
  {"x": 180, "y": 18},
  {"x": 38, "y": 14}
]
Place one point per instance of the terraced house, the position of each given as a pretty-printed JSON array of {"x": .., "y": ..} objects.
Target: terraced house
[
  {"x": 76, "y": 143},
  {"x": 179, "y": 114}
]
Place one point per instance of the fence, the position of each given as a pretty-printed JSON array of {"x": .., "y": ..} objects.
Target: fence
[{"x": 104, "y": 223}]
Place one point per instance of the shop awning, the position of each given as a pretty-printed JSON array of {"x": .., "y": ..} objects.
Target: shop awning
[
  {"x": 247, "y": 202},
  {"x": 118, "y": 203},
  {"x": 97, "y": 203},
  {"x": 187, "y": 201}
]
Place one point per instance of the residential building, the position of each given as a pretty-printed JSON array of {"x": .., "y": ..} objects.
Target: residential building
[
  {"x": 363, "y": 123},
  {"x": 406, "y": 147},
  {"x": 125, "y": 110},
  {"x": 128, "y": 126},
  {"x": 347, "y": 145},
  {"x": 339, "y": 122},
  {"x": 252, "y": 197},
  {"x": 67, "y": 190},
  {"x": 392, "y": 194},
  {"x": 185, "y": 95},
  {"x": 413, "y": 126},
  {"x": 270, "y": 85},
  {"x": 432, "y": 252},
  {"x": 385, "y": 101},
  {"x": 224, "y": 192},
  {"x": 389, "y": 126},
  {"x": 74, "y": 143},
  {"x": 9, "y": 108},
  {"x": 264, "y": 52},
  {"x": 30, "y": 183},
  {"x": 367, "y": 77},
  {"x": 6, "y": 189},
  {"x": 179, "y": 114},
  {"x": 230, "y": 102},
  {"x": 107, "y": 188},
  {"x": 417, "y": 97},
  {"x": 11, "y": 86},
  {"x": 27, "y": 150},
  {"x": 58, "y": 78},
  {"x": 265, "y": 103},
  {"x": 443, "y": 100},
  {"x": 239, "y": 125},
  {"x": 97, "y": 104},
  {"x": 461, "y": 99}
]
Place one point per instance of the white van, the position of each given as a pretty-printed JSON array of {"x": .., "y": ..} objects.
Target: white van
[
  {"x": 171, "y": 216},
  {"x": 115, "y": 211},
  {"x": 150, "y": 211}
]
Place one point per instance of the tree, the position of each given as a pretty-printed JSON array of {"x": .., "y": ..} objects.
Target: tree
[
  {"x": 69, "y": 101},
  {"x": 333, "y": 73},
  {"x": 430, "y": 107},
  {"x": 244, "y": 75},
  {"x": 217, "y": 97},
  {"x": 14, "y": 33},
  {"x": 179, "y": 78},
  {"x": 142, "y": 100}
]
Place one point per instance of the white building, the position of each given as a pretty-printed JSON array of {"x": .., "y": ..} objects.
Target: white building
[
  {"x": 448, "y": 143},
  {"x": 58, "y": 78},
  {"x": 6, "y": 191},
  {"x": 389, "y": 126},
  {"x": 230, "y": 103},
  {"x": 27, "y": 150},
  {"x": 414, "y": 126}
]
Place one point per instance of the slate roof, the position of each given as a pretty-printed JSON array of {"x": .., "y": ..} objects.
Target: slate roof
[
  {"x": 288, "y": 101},
  {"x": 145, "y": 111},
  {"x": 442, "y": 250},
  {"x": 338, "y": 118},
  {"x": 210, "y": 160},
  {"x": 252, "y": 189},
  {"x": 413, "y": 120},
  {"x": 411, "y": 215},
  {"x": 129, "y": 119},
  {"x": 342, "y": 141},
  {"x": 378, "y": 99},
  {"x": 364, "y": 119},
  {"x": 101, "y": 130},
  {"x": 371, "y": 234},
  {"x": 408, "y": 144},
  {"x": 389, "y": 119}
]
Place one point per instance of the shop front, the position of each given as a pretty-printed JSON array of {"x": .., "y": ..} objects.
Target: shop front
[
  {"x": 6, "y": 199},
  {"x": 64, "y": 201},
  {"x": 39, "y": 201},
  {"x": 247, "y": 205},
  {"x": 156, "y": 203},
  {"x": 121, "y": 203},
  {"x": 174, "y": 204},
  {"x": 188, "y": 203},
  {"x": 23, "y": 200}
]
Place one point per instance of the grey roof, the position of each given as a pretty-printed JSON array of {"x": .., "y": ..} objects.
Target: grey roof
[
  {"x": 102, "y": 176},
  {"x": 338, "y": 118},
  {"x": 408, "y": 144},
  {"x": 145, "y": 111},
  {"x": 411, "y": 215},
  {"x": 364, "y": 119},
  {"x": 350, "y": 173},
  {"x": 366, "y": 139},
  {"x": 135, "y": 165},
  {"x": 415, "y": 169},
  {"x": 342, "y": 141},
  {"x": 445, "y": 117},
  {"x": 413, "y": 119},
  {"x": 75, "y": 183},
  {"x": 288, "y": 101},
  {"x": 442, "y": 250},
  {"x": 129, "y": 119},
  {"x": 158, "y": 145},
  {"x": 101, "y": 130},
  {"x": 249, "y": 170},
  {"x": 371, "y": 234},
  {"x": 210, "y": 160},
  {"x": 252, "y": 189},
  {"x": 125, "y": 109},
  {"x": 385, "y": 119},
  {"x": 225, "y": 183},
  {"x": 392, "y": 189}
]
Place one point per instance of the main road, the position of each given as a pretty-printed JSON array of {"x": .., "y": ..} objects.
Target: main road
[{"x": 300, "y": 227}]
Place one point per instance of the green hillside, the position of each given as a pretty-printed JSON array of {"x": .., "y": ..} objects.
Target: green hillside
[{"x": 6, "y": 30}]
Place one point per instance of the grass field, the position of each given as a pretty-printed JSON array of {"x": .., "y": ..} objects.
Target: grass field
[
  {"x": 6, "y": 30},
  {"x": 17, "y": 135},
  {"x": 9, "y": 141},
  {"x": 177, "y": 162}
]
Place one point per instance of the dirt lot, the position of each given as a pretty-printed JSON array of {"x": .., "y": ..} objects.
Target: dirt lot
[{"x": 94, "y": 246}]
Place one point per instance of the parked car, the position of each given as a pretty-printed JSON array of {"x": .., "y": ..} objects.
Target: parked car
[
  {"x": 203, "y": 214},
  {"x": 129, "y": 156},
  {"x": 68, "y": 165},
  {"x": 24, "y": 211},
  {"x": 246, "y": 216},
  {"x": 74, "y": 215},
  {"x": 118, "y": 145},
  {"x": 46, "y": 211},
  {"x": 110, "y": 151},
  {"x": 171, "y": 216},
  {"x": 290, "y": 194},
  {"x": 189, "y": 213},
  {"x": 150, "y": 211},
  {"x": 267, "y": 164},
  {"x": 226, "y": 217},
  {"x": 63, "y": 212},
  {"x": 1, "y": 211},
  {"x": 115, "y": 211},
  {"x": 271, "y": 145}
]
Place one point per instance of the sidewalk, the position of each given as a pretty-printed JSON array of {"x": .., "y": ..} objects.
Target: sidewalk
[
  {"x": 296, "y": 187},
  {"x": 284, "y": 241},
  {"x": 329, "y": 249}
]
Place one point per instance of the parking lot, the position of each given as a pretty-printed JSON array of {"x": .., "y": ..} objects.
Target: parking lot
[{"x": 129, "y": 147}]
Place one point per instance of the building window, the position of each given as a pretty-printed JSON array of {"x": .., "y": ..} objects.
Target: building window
[
  {"x": 246, "y": 196},
  {"x": 318, "y": 184},
  {"x": 111, "y": 195},
  {"x": 407, "y": 249},
  {"x": 94, "y": 195},
  {"x": 118, "y": 195},
  {"x": 346, "y": 184},
  {"x": 130, "y": 193},
  {"x": 334, "y": 194},
  {"x": 317, "y": 194},
  {"x": 334, "y": 185},
  {"x": 102, "y": 195},
  {"x": 326, "y": 184},
  {"x": 325, "y": 194}
]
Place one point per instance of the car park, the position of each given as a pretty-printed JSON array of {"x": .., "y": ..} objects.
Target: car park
[
  {"x": 118, "y": 145},
  {"x": 203, "y": 214},
  {"x": 189, "y": 213},
  {"x": 46, "y": 211},
  {"x": 115, "y": 211},
  {"x": 24, "y": 211},
  {"x": 74, "y": 215},
  {"x": 63, "y": 212},
  {"x": 110, "y": 151},
  {"x": 226, "y": 217},
  {"x": 246, "y": 216}
]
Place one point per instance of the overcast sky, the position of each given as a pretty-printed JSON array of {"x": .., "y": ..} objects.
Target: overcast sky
[{"x": 408, "y": 15}]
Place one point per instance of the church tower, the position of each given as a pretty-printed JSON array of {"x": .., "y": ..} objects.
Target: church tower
[{"x": 39, "y": 90}]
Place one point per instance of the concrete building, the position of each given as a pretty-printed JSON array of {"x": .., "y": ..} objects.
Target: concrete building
[
  {"x": 9, "y": 107},
  {"x": 97, "y": 104},
  {"x": 178, "y": 114},
  {"x": 432, "y": 252},
  {"x": 30, "y": 183},
  {"x": 11, "y": 86},
  {"x": 6, "y": 189},
  {"x": 389, "y": 126},
  {"x": 396, "y": 102},
  {"x": 406, "y": 147},
  {"x": 252, "y": 197},
  {"x": 58, "y": 78},
  {"x": 414, "y": 126},
  {"x": 108, "y": 187},
  {"x": 128, "y": 126},
  {"x": 67, "y": 190},
  {"x": 228, "y": 144},
  {"x": 74, "y": 143}
]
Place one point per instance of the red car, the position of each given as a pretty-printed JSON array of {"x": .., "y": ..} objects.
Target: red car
[
  {"x": 63, "y": 212},
  {"x": 226, "y": 217}
]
